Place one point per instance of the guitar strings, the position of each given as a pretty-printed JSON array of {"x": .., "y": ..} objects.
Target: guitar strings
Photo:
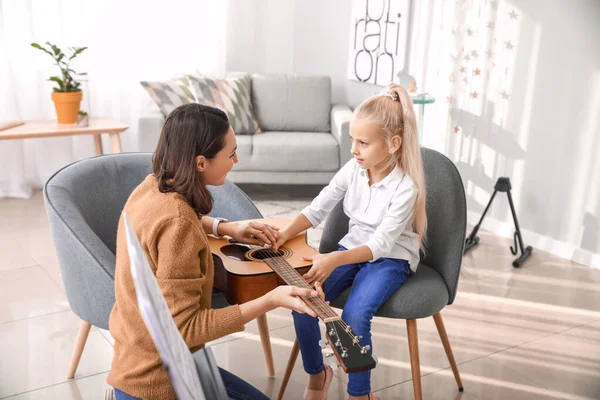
[
  {"x": 299, "y": 281},
  {"x": 322, "y": 305},
  {"x": 317, "y": 303}
]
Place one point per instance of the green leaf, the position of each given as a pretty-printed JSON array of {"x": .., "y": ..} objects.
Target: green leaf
[
  {"x": 37, "y": 46},
  {"x": 57, "y": 80},
  {"x": 78, "y": 50},
  {"x": 54, "y": 48}
]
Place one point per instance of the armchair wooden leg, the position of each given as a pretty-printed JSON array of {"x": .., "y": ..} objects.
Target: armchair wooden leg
[
  {"x": 265, "y": 339},
  {"x": 415, "y": 363},
  {"x": 289, "y": 369},
  {"x": 439, "y": 323},
  {"x": 84, "y": 331}
]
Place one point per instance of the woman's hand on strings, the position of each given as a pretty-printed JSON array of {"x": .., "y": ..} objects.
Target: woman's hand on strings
[{"x": 254, "y": 233}]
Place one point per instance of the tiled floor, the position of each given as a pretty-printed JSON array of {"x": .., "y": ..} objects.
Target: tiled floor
[{"x": 528, "y": 333}]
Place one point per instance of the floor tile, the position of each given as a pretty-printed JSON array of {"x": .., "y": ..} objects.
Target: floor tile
[
  {"x": 36, "y": 352},
  {"x": 482, "y": 379},
  {"x": 568, "y": 361},
  {"x": 29, "y": 292},
  {"x": 53, "y": 271},
  {"x": 13, "y": 254},
  {"x": 91, "y": 387}
]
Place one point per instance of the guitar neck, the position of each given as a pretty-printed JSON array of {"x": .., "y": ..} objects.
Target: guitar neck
[{"x": 282, "y": 268}]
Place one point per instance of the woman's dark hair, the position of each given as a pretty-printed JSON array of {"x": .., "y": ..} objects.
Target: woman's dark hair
[{"x": 190, "y": 130}]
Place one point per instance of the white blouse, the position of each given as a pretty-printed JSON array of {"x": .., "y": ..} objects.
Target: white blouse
[{"x": 381, "y": 215}]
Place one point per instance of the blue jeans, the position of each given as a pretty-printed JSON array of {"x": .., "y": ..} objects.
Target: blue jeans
[
  {"x": 237, "y": 389},
  {"x": 372, "y": 284}
]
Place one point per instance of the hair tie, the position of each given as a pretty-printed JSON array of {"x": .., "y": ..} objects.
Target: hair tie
[{"x": 392, "y": 94}]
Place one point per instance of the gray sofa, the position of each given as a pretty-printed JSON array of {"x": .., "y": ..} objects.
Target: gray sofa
[{"x": 304, "y": 138}]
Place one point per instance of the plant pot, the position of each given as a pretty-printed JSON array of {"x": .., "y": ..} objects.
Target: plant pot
[{"x": 67, "y": 106}]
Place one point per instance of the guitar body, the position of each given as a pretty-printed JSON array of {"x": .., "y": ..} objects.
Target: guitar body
[{"x": 242, "y": 275}]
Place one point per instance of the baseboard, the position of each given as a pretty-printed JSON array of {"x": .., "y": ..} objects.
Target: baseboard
[{"x": 537, "y": 241}]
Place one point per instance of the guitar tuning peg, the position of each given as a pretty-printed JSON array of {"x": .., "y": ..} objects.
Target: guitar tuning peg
[
  {"x": 322, "y": 343},
  {"x": 328, "y": 354}
]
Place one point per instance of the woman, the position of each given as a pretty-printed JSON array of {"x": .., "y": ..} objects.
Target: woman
[{"x": 197, "y": 147}]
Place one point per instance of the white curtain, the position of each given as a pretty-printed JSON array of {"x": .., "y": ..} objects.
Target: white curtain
[
  {"x": 518, "y": 95},
  {"x": 128, "y": 41},
  {"x": 465, "y": 55}
]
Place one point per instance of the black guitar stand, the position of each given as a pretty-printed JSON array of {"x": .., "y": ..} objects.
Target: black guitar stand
[{"x": 502, "y": 185}]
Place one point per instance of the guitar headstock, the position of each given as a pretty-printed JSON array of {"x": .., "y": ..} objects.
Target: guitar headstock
[{"x": 352, "y": 355}]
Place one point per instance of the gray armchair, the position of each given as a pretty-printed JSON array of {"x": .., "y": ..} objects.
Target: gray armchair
[
  {"x": 434, "y": 284},
  {"x": 84, "y": 201}
]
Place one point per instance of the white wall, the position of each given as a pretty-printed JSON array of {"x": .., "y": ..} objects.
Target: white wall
[
  {"x": 302, "y": 37},
  {"x": 550, "y": 132}
]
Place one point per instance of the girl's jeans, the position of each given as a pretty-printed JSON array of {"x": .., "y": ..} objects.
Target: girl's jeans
[{"x": 372, "y": 284}]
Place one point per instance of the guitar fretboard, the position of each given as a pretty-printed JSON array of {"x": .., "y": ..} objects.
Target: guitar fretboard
[{"x": 282, "y": 268}]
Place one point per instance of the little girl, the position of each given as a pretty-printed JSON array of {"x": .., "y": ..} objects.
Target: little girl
[{"x": 383, "y": 188}]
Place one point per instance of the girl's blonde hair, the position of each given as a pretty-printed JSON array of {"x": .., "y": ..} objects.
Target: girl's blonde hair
[{"x": 392, "y": 110}]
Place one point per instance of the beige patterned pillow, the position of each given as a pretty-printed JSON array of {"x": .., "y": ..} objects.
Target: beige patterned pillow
[
  {"x": 232, "y": 95},
  {"x": 168, "y": 95}
]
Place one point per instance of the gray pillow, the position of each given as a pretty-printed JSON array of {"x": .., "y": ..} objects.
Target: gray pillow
[{"x": 291, "y": 102}]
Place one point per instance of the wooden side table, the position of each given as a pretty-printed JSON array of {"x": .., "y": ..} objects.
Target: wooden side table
[{"x": 51, "y": 128}]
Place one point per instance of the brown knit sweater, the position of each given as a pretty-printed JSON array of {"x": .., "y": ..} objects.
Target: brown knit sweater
[{"x": 177, "y": 250}]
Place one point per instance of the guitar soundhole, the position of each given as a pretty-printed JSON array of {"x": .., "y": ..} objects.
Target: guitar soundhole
[
  {"x": 242, "y": 252},
  {"x": 262, "y": 254}
]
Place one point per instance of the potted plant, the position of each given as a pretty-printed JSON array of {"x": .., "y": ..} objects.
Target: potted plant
[{"x": 67, "y": 95}]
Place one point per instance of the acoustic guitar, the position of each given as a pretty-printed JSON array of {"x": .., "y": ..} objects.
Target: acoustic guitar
[{"x": 246, "y": 272}]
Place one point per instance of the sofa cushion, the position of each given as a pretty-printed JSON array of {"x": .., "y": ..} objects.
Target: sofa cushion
[
  {"x": 169, "y": 94},
  {"x": 244, "y": 147},
  {"x": 231, "y": 95},
  {"x": 292, "y": 103},
  {"x": 289, "y": 151}
]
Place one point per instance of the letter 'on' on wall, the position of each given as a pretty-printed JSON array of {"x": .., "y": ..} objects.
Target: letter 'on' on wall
[{"x": 378, "y": 40}]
